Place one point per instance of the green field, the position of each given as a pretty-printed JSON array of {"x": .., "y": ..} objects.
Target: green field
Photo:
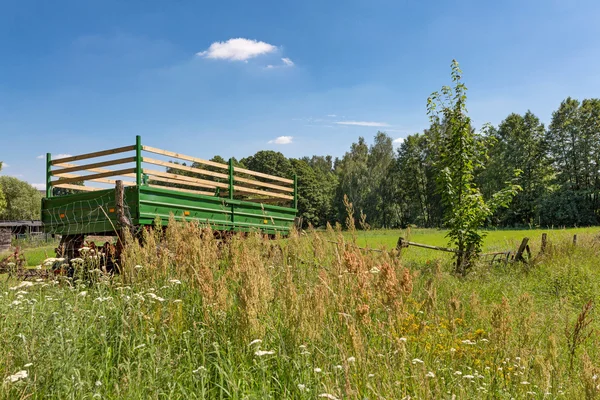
[
  {"x": 304, "y": 318},
  {"x": 35, "y": 255}
]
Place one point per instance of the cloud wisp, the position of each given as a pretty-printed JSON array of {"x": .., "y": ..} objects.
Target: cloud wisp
[
  {"x": 238, "y": 49},
  {"x": 281, "y": 140},
  {"x": 363, "y": 123},
  {"x": 398, "y": 141}
]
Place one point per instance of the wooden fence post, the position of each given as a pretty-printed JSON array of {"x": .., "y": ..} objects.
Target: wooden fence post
[
  {"x": 120, "y": 205},
  {"x": 522, "y": 248},
  {"x": 544, "y": 243},
  {"x": 574, "y": 240}
]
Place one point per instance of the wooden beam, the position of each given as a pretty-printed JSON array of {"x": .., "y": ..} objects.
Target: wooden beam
[
  {"x": 182, "y": 190},
  {"x": 185, "y": 168},
  {"x": 120, "y": 172},
  {"x": 263, "y": 184},
  {"x": 94, "y": 165},
  {"x": 75, "y": 187},
  {"x": 68, "y": 165},
  {"x": 101, "y": 180},
  {"x": 175, "y": 182},
  {"x": 260, "y": 174},
  {"x": 183, "y": 157},
  {"x": 199, "y": 182},
  {"x": 93, "y": 155},
  {"x": 262, "y": 192}
]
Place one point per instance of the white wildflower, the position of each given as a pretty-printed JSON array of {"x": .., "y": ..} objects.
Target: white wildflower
[
  {"x": 467, "y": 341},
  {"x": 524, "y": 383},
  {"x": 82, "y": 294},
  {"x": 255, "y": 341},
  {"x": 202, "y": 368},
  {"x": 317, "y": 370},
  {"x": 155, "y": 297},
  {"x": 457, "y": 373},
  {"x": 452, "y": 349},
  {"x": 468, "y": 377},
  {"x": 102, "y": 299},
  {"x": 302, "y": 387},
  {"x": 175, "y": 281},
  {"x": 98, "y": 383},
  {"x": 417, "y": 361},
  {"x": 261, "y": 353},
  {"x": 18, "y": 376},
  {"x": 338, "y": 367},
  {"x": 28, "y": 365},
  {"x": 328, "y": 396},
  {"x": 374, "y": 270},
  {"x": 22, "y": 285},
  {"x": 402, "y": 339},
  {"x": 430, "y": 375},
  {"x": 351, "y": 359},
  {"x": 371, "y": 376},
  {"x": 175, "y": 301},
  {"x": 138, "y": 267}
]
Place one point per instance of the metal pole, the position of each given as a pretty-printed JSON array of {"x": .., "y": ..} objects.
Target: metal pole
[
  {"x": 295, "y": 191},
  {"x": 48, "y": 175},
  {"x": 231, "y": 178},
  {"x": 138, "y": 160}
]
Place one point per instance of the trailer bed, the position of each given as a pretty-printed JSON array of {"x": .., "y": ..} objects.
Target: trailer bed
[{"x": 226, "y": 197}]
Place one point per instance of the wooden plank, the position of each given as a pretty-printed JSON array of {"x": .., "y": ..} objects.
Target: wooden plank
[
  {"x": 175, "y": 182},
  {"x": 68, "y": 165},
  {"x": 101, "y": 180},
  {"x": 93, "y": 155},
  {"x": 75, "y": 187},
  {"x": 94, "y": 165},
  {"x": 182, "y": 190},
  {"x": 260, "y": 174},
  {"x": 199, "y": 182},
  {"x": 185, "y": 168},
  {"x": 262, "y": 192},
  {"x": 120, "y": 172},
  {"x": 263, "y": 184},
  {"x": 184, "y": 157}
]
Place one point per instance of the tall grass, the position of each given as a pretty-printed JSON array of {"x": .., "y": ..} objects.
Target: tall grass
[{"x": 301, "y": 318}]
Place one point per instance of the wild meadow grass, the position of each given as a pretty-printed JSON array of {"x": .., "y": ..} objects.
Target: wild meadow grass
[{"x": 304, "y": 318}]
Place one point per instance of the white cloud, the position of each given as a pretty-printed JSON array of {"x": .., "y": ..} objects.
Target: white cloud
[
  {"x": 5, "y": 165},
  {"x": 398, "y": 141},
  {"x": 331, "y": 115},
  {"x": 282, "y": 140},
  {"x": 362, "y": 123},
  {"x": 39, "y": 186},
  {"x": 238, "y": 49},
  {"x": 61, "y": 156},
  {"x": 41, "y": 157},
  {"x": 286, "y": 63}
]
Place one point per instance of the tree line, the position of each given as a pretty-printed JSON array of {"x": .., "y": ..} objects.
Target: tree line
[{"x": 557, "y": 168}]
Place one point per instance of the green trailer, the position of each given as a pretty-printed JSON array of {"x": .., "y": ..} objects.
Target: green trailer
[{"x": 142, "y": 183}]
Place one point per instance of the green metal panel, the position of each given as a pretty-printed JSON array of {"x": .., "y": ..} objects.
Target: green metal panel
[
  {"x": 95, "y": 213},
  {"x": 48, "y": 175}
]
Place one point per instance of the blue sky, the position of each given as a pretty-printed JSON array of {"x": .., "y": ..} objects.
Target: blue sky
[{"x": 77, "y": 76}]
